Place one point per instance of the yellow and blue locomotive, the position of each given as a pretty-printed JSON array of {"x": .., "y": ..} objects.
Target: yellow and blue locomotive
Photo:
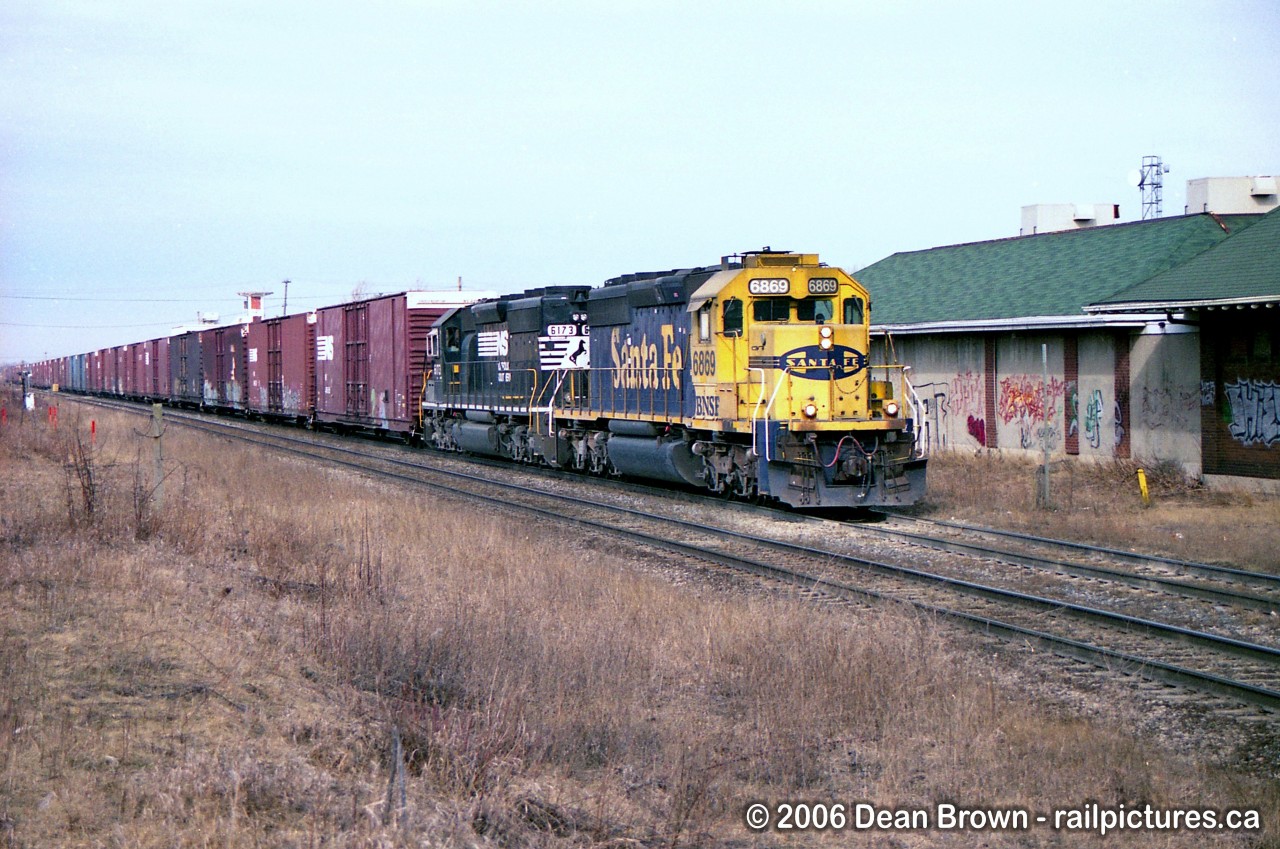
[{"x": 751, "y": 378}]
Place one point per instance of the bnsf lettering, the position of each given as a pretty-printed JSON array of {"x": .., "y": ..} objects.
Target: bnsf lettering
[
  {"x": 706, "y": 407},
  {"x": 645, "y": 366}
]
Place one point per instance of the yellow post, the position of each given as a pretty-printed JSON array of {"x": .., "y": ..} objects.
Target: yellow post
[{"x": 1142, "y": 486}]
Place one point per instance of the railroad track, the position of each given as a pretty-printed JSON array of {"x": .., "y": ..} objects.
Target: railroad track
[
  {"x": 1164, "y": 570},
  {"x": 1218, "y": 664}
]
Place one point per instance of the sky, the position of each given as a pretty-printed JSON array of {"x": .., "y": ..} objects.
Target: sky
[{"x": 157, "y": 158}]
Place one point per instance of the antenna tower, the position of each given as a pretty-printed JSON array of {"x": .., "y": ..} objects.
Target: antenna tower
[{"x": 1151, "y": 183}]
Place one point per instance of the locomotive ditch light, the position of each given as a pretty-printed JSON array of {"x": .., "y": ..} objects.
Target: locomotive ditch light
[
  {"x": 891, "y": 409},
  {"x": 810, "y": 410}
]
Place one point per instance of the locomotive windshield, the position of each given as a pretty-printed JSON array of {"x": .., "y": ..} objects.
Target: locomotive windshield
[
  {"x": 853, "y": 311},
  {"x": 817, "y": 310},
  {"x": 733, "y": 317}
]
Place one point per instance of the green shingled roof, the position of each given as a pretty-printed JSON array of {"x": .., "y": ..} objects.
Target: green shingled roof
[
  {"x": 1050, "y": 274},
  {"x": 1244, "y": 267}
]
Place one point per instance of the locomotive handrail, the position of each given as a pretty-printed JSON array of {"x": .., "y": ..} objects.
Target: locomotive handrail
[
  {"x": 755, "y": 414},
  {"x": 551, "y": 402},
  {"x": 768, "y": 458},
  {"x": 915, "y": 405}
]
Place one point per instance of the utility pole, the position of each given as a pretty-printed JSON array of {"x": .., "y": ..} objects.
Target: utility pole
[
  {"x": 157, "y": 474},
  {"x": 1044, "y": 434}
]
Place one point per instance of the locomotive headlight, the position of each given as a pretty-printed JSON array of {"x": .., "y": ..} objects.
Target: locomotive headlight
[
  {"x": 825, "y": 331},
  {"x": 810, "y": 411},
  {"x": 891, "y": 409},
  {"x": 824, "y": 338}
]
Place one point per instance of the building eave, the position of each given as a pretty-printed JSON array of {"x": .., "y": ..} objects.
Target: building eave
[
  {"x": 1255, "y": 302},
  {"x": 1042, "y": 322}
]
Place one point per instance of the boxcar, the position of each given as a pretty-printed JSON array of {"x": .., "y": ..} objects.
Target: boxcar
[
  {"x": 41, "y": 374},
  {"x": 281, "y": 367},
  {"x": 186, "y": 375},
  {"x": 371, "y": 359},
  {"x": 75, "y": 372},
  {"x": 155, "y": 363},
  {"x": 139, "y": 365},
  {"x": 128, "y": 370},
  {"x": 93, "y": 372},
  {"x": 58, "y": 373},
  {"x": 224, "y": 362},
  {"x": 111, "y": 371}
]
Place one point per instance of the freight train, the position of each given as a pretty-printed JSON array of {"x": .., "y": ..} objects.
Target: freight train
[{"x": 750, "y": 378}]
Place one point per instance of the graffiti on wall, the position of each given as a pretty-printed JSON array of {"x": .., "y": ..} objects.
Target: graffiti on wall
[
  {"x": 1032, "y": 435},
  {"x": 1093, "y": 419},
  {"x": 959, "y": 400},
  {"x": 1255, "y": 411},
  {"x": 978, "y": 430},
  {"x": 966, "y": 394},
  {"x": 934, "y": 397},
  {"x": 1164, "y": 406},
  {"x": 1023, "y": 396},
  {"x": 1208, "y": 392},
  {"x": 1025, "y": 401},
  {"x": 1073, "y": 409}
]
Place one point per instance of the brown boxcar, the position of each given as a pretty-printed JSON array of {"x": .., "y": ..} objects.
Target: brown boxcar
[
  {"x": 370, "y": 359},
  {"x": 57, "y": 371},
  {"x": 281, "y": 366},
  {"x": 224, "y": 355},
  {"x": 41, "y": 374},
  {"x": 111, "y": 371},
  {"x": 155, "y": 379},
  {"x": 93, "y": 372},
  {"x": 127, "y": 370},
  {"x": 136, "y": 380}
]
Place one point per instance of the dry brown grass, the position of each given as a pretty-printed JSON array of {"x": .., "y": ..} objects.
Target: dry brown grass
[
  {"x": 1100, "y": 503},
  {"x": 233, "y": 671}
]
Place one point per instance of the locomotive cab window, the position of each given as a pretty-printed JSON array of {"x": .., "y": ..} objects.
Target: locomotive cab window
[
  {"x": 453, "y": 339},
  {"x": 704, "y": 323},
  {"x": 771, "y": 309},
  {"x": 732, "y": 317},
  {"x": 817, "y": 310},
  {"x": 853, "y": 311}
]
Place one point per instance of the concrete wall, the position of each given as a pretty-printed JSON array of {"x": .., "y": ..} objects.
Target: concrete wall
[
  {"x": 1100, "y": 422},
  {"x": 947, "y": 372},
  {"x": 1110, "y": 393},
  {"x": 1165, "y": 365},
  {"x": 1029, "y": 412}
]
